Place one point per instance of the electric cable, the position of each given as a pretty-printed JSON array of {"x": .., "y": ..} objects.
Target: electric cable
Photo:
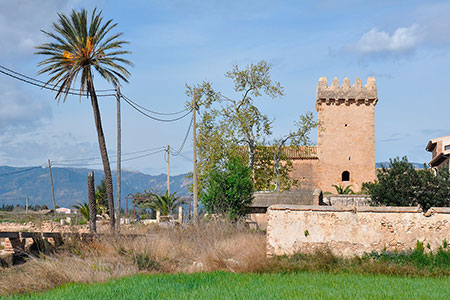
[
  {"x": 45, "y": 83},
  {"x": 111, "y": 153},
  {"x": 175, "y": 153},
  {"x": 111, "y": 162},
  {"x": 20, "y": 171},
  {"x": 50, "y": 88},
  {"x": 152, "y": 111},
  {"x": 152, "y": 117}
]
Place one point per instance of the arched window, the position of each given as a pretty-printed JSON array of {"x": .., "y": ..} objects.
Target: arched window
[{"x": 346, "y": 176}]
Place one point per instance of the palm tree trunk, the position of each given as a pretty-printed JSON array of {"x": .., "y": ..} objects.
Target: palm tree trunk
[{"x": 103, "y": 152}]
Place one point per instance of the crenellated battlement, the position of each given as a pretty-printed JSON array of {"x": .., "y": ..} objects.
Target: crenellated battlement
[{"x": 346, "y": 94}]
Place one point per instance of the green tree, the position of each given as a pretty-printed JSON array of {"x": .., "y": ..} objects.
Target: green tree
[
  {"x": 399, "y": 184},
  {"x": 101, "y": 199},
  {"x": 299, "y": 137},
  {"x": 84, "y": 209},
  {"x": 230, "y": 124},
  {"x": 164, "y": 203},
  {"x": 79, "y": 46},
  {"x": 228, "y": 189}
]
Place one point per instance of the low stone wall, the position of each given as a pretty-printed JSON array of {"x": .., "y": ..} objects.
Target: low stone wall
[
  {"x": 346, "y": 200},
  {"x": 350, "y": 231}
]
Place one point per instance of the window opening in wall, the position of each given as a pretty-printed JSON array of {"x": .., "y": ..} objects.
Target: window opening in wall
[
  {"x": 345, "y": 125},
  {"x": 346, "y": 176},
  {"x": 447, "y": 147}
]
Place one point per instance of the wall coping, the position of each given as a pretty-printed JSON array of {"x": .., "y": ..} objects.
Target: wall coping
[
  {"x": 346, "y": 195},
  {"x": 374, "y": 209}
]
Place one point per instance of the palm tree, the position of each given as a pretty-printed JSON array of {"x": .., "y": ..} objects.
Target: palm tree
[
  {"x": 79, "y": 46},
  {"x": 83, "y": 208},
  {"x": 164, "y": 203},
  {"x": 343, "y": 191}
]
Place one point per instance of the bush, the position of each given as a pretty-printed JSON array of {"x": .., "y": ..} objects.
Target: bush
[
  {"x": 229, "y": 190},
  {"x": 400, "y": 184}
]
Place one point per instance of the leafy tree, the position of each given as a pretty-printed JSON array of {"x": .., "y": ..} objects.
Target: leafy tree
[
  {"x": 399, "y": 184},
  {"x": 101, "y": 198},
  {"x": 79, "y": 46},
  {"x": 228, "y": 189},
  {"x": 300, "y": 137},
  {"x": 230, "y": 124}
]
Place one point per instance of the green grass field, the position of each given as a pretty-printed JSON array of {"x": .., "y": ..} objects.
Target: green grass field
[{"x": 221, "y": 285}]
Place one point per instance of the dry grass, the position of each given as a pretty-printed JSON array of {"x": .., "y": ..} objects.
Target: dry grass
[
  {"x": 210, "y": 246},
  {"x": 217, "y": 245}
]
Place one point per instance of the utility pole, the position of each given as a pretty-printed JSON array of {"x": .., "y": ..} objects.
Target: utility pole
[
  {"x": 53, "y": 189},
  {"x": 26, "y": 205},
  {"x": 168, "y": 170},
  {"x": 119, "y": 156},
  {"x": 194, "y": 138}
]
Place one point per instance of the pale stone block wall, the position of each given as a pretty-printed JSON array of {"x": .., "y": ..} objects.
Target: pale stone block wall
[
  {"x": 346, "y": 134},
  {"x": 306, "y": 172},
  {"x": 346, "y": 200},
  {"x": 350, "y": 231}
]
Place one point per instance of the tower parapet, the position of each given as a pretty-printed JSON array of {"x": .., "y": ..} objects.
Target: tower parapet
[{"x": 346, "y": 94}]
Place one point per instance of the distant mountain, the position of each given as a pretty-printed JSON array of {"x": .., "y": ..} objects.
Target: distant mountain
[
  {"x": 71, "y": 185},
  {"x": 415, "y": 164}
]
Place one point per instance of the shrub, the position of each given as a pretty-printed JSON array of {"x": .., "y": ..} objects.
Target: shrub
[
  {"x": 228, "y": 190},
  {"x": 399, "y": 184}
]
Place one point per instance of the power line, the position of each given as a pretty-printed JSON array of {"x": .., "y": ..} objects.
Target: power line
[
  {"x": 45, "y": 83},
  {"x": 99, "y": 157},
  {"x": 152, "y": 111},
  {"x": 152, "y": 117},
  {"x": 184, "y": 141},
  {"x": 92, "y": 164},
  {"x": 21, "y": 171},
  {"x": 50, "y": 88}
]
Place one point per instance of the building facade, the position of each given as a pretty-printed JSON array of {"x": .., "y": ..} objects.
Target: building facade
[
  {"x": 440, "y": 152},
  {"x": 345, "y": 151}
]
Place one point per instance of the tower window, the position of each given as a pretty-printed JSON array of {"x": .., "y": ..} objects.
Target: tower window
[
  {"x": 346, "y": 176},
  {"x": 345, "y": 125}
]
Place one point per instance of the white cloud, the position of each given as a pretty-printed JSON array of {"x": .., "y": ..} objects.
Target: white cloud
[
  {"x": 21, "y": 22},
  {"x": 403, "y": 39},
  {"x": 19, "y": 110}
]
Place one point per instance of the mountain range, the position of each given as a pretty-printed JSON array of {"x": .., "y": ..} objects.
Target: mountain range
[
  {"x": 18, "y": 183},
  {"x": 70, "y": 184}
]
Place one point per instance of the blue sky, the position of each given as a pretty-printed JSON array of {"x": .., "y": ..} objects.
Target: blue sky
[{"x": 404, "y": 44}]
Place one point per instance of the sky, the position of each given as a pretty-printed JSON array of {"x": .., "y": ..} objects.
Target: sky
[{"x": 404, "y": 44}]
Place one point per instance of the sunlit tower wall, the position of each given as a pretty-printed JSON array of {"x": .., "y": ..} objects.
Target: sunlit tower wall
[{"x": 346, "y": 134}]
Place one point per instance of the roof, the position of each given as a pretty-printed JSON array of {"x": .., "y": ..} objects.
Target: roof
[
  {"x": 300, "y": 152},
  {"x": 438, "y": 159},
  {"x": 432, "y": 143}
]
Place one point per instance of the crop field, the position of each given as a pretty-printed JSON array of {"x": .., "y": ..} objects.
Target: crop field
[{"x": 224, "y": 285}]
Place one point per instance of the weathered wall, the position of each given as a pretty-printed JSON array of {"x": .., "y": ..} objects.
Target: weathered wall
[
  {"x": 306, "y": 171},
  {"x": 346, "y": 135},
  {"x": 295, "y": 228},
  {"x": 346, "y": 200}
]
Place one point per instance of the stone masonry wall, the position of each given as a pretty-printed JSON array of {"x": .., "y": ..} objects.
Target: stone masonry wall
[
  {"x": 306, "y": 171},
  {"x": 346, "y": 134},
  {"x": 346, "y": 200},
  {"x": 345, "y": 231}
]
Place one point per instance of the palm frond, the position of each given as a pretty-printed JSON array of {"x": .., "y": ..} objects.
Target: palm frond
[{"x": 79, "y": 45}]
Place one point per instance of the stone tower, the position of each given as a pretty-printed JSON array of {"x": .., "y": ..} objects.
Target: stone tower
[{"x": 346, "y": 134}]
